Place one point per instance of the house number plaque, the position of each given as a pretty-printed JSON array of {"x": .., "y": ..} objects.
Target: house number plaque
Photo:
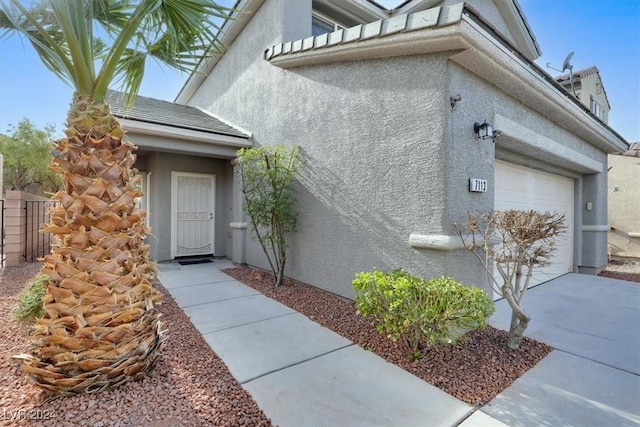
[{"x": 477, "y": 185}]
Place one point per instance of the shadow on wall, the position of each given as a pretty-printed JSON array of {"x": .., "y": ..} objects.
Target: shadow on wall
[{"x": 377, "y": 234}]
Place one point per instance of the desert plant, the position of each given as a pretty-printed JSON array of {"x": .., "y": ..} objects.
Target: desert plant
[
  {"x": 515, "y": 242},
  {"x": 100, "y": 327},
  {"x": 30, "y": 300},
  {"x": 267, "y": 176},
  {"x": 27, "y": 154},
  {"x": 420, "y": 312}
]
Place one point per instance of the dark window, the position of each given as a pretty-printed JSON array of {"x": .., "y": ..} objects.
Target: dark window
[{"x": 320, "y": 26}]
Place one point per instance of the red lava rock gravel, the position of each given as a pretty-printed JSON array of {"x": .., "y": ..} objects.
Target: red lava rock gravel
[
  {"x": 475, "y": 370},
  {"x": 191, "y": 386},
  {"x": 623, "y": 269}
]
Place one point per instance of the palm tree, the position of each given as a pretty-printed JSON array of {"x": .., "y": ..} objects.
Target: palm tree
[{"x": 100, "y": 329}]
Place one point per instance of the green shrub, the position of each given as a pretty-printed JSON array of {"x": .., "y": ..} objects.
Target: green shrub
[
  {"x": 421, "y": 312},
  {"x": 30, "y": 300}
]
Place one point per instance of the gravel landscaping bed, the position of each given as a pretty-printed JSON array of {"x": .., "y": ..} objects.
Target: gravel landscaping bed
[
  {"x": 191, "y": 386},
  {"x": 623, "y": 269},
  {"x": 475, "y": 370}
]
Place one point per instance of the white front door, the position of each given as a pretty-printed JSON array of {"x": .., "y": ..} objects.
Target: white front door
[{"x": 192, "y": 214}]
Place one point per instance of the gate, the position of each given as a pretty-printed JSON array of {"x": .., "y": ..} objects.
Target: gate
[{"x": 37, "y": 244}]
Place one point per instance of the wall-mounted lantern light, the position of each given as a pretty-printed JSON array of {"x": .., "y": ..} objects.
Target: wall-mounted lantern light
[{"x": 483, "y": 130}]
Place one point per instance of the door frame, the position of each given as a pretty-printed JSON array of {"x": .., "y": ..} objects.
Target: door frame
[{"x": 174, "y": 207}]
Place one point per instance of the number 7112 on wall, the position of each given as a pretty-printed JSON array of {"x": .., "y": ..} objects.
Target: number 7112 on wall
[{"x": 477, "y": 185}]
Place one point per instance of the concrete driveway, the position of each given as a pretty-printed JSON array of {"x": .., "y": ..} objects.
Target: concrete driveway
[{"x": 592, "y": 378}]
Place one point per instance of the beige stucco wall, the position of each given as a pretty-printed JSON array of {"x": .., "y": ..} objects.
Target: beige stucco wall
[
  {"x": 591, "y": 85},
  {"x": 624, "y": 206}
]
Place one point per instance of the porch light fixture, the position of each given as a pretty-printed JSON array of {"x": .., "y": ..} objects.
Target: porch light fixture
[{"x": 483, "y": 130}]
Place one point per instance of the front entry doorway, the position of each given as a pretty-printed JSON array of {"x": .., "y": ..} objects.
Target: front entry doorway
[{"x": 192, "y": 214}]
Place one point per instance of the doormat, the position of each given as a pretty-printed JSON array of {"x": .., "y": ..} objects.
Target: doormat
[{"x": 195, "y": 261}]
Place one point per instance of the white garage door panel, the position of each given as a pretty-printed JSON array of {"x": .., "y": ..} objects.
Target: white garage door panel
[{"x": 517, "y": 187}]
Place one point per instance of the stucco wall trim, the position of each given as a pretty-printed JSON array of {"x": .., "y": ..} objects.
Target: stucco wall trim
[
  {"x": 238, "y": 225},
  {"x": 437, "y": 39},
  {"x": 523, "y": 136},
  {"x": 440, "y": 242},
  {"x": 596, "y": 228}
]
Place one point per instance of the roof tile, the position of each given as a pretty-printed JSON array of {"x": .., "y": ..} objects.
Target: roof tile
[
  {"x": 352, "y": 34},
  {"x": 424, "y": 19},
  {"x": 394, "y": 25},
  {"x": 371, "y": 30}
]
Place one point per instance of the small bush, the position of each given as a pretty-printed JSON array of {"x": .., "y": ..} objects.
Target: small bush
[
  {"x": 421, "y": 312},
  {"x": 30, "y": 300}
]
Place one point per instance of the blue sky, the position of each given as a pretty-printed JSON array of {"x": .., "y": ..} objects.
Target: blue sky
[{"x": 605, "y": 33}]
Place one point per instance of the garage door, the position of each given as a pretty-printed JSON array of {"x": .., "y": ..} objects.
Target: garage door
[{"x": 517, "y": 187}]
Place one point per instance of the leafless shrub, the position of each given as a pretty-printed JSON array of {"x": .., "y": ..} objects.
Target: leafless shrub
[{"x": 515, "y": 242}]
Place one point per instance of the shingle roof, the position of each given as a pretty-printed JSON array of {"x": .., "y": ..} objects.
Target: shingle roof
[{"x": 166, "y": 113}]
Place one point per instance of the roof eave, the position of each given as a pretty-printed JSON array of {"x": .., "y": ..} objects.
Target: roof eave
[
  {"x": 522, "y": 32},
  {"x": 155, "y": 129},
  {"x": 228, "y": 33},
  {"x": 508, "y": 69},
  {"x": 475, "y": 49}
]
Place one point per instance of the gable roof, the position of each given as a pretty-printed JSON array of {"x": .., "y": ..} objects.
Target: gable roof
[
  {"x": 156, "y": 111},
  {"x": 243, "y": 11},
  {"x": 435, "y": 17},
  {"x": 577, "y": 75},
  {"x": 472, "y": 43},
  {"x": 580, "y": 74},
  {"x": 633, "y": 151}
]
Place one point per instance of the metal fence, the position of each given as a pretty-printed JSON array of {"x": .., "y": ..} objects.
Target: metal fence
[
  {"x": 37, "y": 244},
  {"x": 1, "y": 232}
]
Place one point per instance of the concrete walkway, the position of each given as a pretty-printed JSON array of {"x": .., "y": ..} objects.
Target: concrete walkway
[
  {"x": 592, "y": 378},
  {"x": 302, "y": 374}
]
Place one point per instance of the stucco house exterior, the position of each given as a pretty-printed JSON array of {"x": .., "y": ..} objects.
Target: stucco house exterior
[
  {"x": 623, "y": 168},
  {"x": 624, "y": 203},
  {"x": 407, "y": 120},
  {"x": 588, "y": 88},
  {"x": 184, "y": 156}
]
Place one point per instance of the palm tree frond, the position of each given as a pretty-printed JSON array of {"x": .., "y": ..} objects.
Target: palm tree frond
[
  {"x": 39, "y": 26},
  {"x": 71, "y": 18},
  {"x": 112, "y": 15},
  {"x": 130, "y": 70},
  {"x": 119, "y": 47}
]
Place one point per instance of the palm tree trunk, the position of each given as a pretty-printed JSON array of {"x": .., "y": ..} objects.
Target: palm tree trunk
[{"x": 100, "y": 329}]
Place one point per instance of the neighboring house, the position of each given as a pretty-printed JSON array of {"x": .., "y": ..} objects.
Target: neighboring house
[
  {"x": 624, "y": 170},
  {"x": 384, "y": 108},
  {"x": 624, "y": 203},
  {"x": 588, "y": 88}
]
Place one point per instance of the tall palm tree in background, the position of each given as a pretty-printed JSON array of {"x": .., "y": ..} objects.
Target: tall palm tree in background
[{"x": 101, "y": 329}]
